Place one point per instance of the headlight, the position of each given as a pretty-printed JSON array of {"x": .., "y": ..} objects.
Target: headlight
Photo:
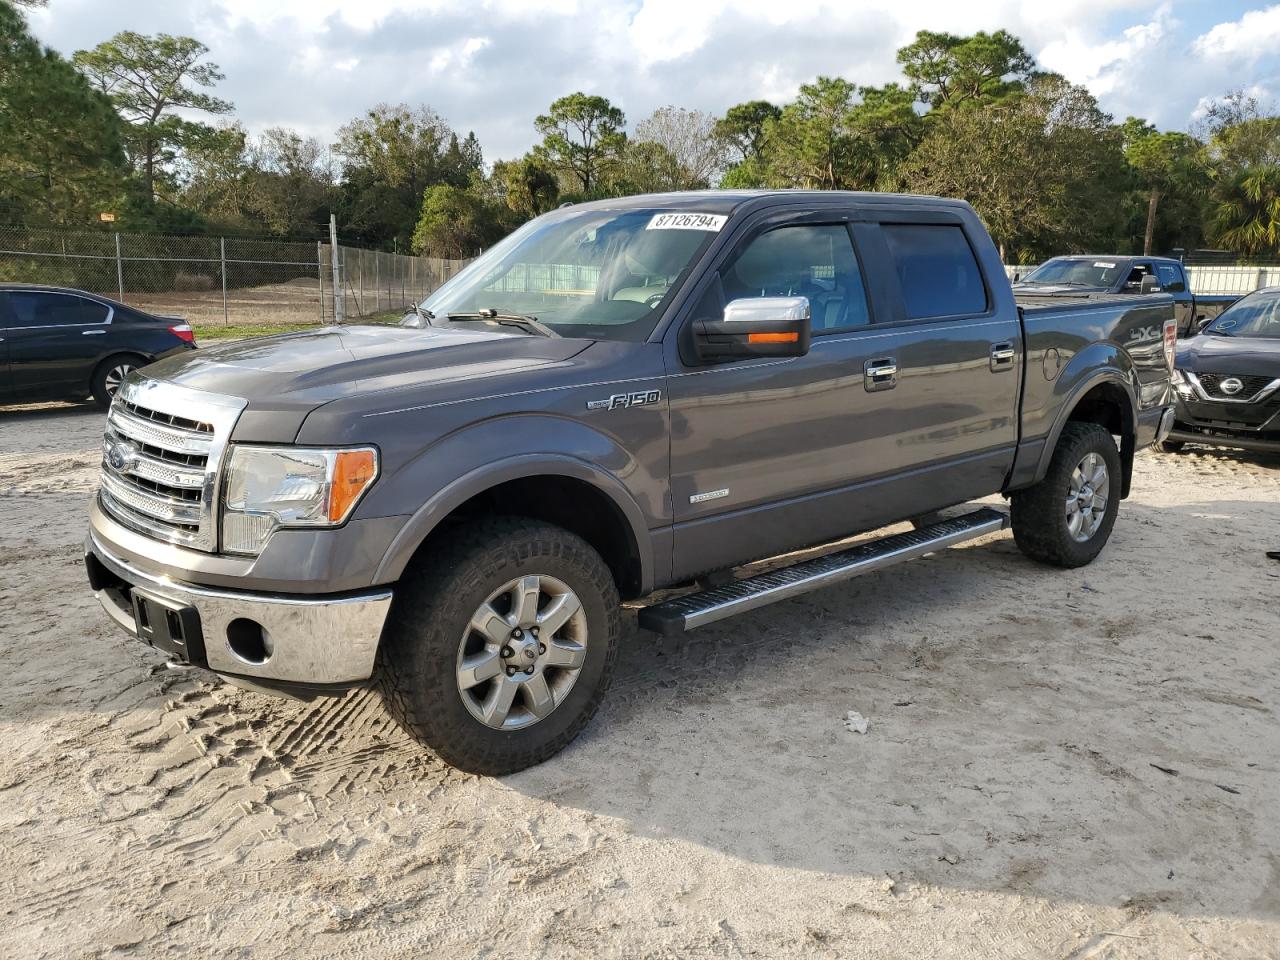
[{"x": 270, "y": 487}]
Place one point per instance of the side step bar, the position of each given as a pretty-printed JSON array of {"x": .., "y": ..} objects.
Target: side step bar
[{"x": 698, "y": 609}]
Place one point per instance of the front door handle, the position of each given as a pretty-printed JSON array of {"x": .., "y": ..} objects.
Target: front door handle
[
  {"x": 880, "y": 374},
  {"x": 92, "y": 333},
  {"x": 1002, "y": 355}
]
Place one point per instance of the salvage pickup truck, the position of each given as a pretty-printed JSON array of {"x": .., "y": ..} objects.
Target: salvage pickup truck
[
  {"x": 622, "y": 396},
  {"x": 1115, "y": 276}
]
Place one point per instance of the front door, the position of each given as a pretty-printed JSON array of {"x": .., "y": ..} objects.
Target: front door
[{"x": 897, "y": 409}]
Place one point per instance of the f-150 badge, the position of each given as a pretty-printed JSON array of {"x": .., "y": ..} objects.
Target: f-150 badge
[{"x": 641, "y": 398}]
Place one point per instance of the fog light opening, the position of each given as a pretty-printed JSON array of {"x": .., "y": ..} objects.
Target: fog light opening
[{"x": 248, "y": 641}]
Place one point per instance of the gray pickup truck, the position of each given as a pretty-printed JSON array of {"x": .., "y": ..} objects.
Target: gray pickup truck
[
  {"x": 1105, "y": 275},
  {"x": 621, "y": 397}
]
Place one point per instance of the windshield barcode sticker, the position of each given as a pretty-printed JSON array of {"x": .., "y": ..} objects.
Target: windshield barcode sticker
[
  {"x": 1105, "y": 266},
  {"x": 687, "y": 221}
]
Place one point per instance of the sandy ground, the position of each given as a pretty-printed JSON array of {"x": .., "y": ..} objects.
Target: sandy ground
[{"x": 1059, "y": 764}]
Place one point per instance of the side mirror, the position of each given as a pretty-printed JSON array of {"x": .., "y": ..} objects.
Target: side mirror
[
  {"x": 1202, "y": 322},
  {"x": 1150, "y": 284},
  {"x": 1017, "y": 275},
  {"x": 756, "y": 327}
]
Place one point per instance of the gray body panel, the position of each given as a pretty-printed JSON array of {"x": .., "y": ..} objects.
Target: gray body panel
[{"x": 806, "y": 452}]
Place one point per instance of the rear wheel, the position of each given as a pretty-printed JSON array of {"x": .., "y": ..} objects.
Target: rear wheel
[
  {"x": 501, "y": 644},
  {"x": 1172, "y": 446},
  {"x": 1066, "y": 518},
  {"x": 111, "y": 373}
]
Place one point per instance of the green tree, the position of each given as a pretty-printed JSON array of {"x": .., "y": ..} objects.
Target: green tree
[
  {"x": 529, "y": 187},
  {"x": 1162, "y": 164},
  {"x": 1246, "y": 213},
  {"x": 582, "y": 139},
  {"x": 60, "y": 152},
  {"x": 392, "y": 155},
  {"x": 742, "y": 128},
  {"x": 455, "y": 223},
  {"x": 947, "y": 70},
  {"x": 1045, "y": 169},
  {"x": 148, "y": 78},
  {"x": 813, "y": 142}
]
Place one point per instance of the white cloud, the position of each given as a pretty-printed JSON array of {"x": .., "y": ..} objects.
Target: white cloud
[{"x": 1253, "y": 35}]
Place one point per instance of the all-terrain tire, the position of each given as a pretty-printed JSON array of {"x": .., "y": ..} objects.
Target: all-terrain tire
[
  {"x": 1171, "y": 446},
  {"x": 1039, "y": 513},
  {"x": 110, "y": 373},
  {"x": 433, "y": 606}
]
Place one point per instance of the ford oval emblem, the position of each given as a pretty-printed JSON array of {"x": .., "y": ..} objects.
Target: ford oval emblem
[
  {"x": 1231, "y": 386},
  {"x": 122, "y": 456}
]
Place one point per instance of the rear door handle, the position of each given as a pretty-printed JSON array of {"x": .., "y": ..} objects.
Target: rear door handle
[
  {"x": 92, "y": 333},
  {"x": 880, "y": 374},
  {"x": 1002, "y": 355}
]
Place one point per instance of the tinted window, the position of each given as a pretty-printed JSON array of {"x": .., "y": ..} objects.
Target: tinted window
[
  {"x": 32, "y": 309},
  {"x": 804, "y": 261},
  {"x": 1170, "y": 277},
  {"x": 937, "y": 268}
]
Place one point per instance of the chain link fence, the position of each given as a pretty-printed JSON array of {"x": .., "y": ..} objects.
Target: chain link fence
[{"x": 221, "y": 281}]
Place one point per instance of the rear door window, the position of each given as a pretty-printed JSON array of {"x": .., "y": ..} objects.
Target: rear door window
[
  {"x": 39, "y": 309},
  {"x": 937, "y": 270},
  {"x": 1170, "y": 277}
]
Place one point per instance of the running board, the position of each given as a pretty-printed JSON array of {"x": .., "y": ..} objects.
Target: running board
[{"x": 698, "y": 609}]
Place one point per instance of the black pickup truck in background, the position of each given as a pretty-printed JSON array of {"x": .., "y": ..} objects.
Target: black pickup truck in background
[{"x": 1108, "y": 276}]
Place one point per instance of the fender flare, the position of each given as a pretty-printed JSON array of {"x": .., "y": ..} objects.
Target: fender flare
[
  {"x": 429, "y": 516},
  {"x": 1129, "y": 420}
]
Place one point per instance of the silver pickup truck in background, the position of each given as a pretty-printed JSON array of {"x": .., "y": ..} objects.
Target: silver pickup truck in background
[{"x": 622, "y": 396}]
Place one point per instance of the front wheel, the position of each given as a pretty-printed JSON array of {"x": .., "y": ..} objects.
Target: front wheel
[
  {"x": 1171, "y": 446},
  {"x": 1066, "y": 518},
  {"x": 501, "y": 644}
]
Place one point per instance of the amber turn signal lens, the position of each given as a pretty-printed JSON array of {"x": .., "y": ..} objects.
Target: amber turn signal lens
[
  {"x": 353, "y": 471},
  {"x": 773, "y": 338}
]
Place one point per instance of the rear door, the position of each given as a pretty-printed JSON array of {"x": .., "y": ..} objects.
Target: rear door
[{"x": 55, "y": 341}]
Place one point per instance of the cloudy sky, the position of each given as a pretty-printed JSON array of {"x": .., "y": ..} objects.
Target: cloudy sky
[{"x": 492, "y": 66}]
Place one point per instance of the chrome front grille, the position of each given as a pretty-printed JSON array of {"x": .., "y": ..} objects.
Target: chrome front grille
[{"x": 161, "y": 454}]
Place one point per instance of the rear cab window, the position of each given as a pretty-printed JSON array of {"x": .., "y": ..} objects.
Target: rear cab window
[
  {"x": 1170, "y": 277},
  {"x": 937, "y": 270}
]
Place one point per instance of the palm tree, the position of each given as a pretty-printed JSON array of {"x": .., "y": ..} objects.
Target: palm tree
[{"x": 1246, "y": 215}]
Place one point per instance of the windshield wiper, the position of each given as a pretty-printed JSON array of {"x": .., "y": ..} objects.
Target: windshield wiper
[
  {"x": 489, "y": 315},
  {"x": 426, "y": 315}
]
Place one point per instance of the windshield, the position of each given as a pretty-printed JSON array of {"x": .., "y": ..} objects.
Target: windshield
[
  {"x": 601, "y": 274},
  {"x": 1257, "y": 315},
  {"x": 1087, "y": 273}
]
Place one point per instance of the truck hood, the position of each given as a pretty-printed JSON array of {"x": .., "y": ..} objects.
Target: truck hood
[
  {"x": 1241, "y": 356},
  {"x": 285, "y": 377}
]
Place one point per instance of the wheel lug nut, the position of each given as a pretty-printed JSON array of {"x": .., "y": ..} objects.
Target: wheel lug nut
[
  {"x": 507, "y": 652},
  {"x": 529, "y": 670},
  {"x": 511, "y": 671},
  {"x": 542, "y": 648},
  {"x": 517, "y": 633},
  {"x": 534, "y": 631}
]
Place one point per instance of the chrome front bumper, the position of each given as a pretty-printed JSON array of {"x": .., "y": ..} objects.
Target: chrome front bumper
[{"x": 314, "y": 641}]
